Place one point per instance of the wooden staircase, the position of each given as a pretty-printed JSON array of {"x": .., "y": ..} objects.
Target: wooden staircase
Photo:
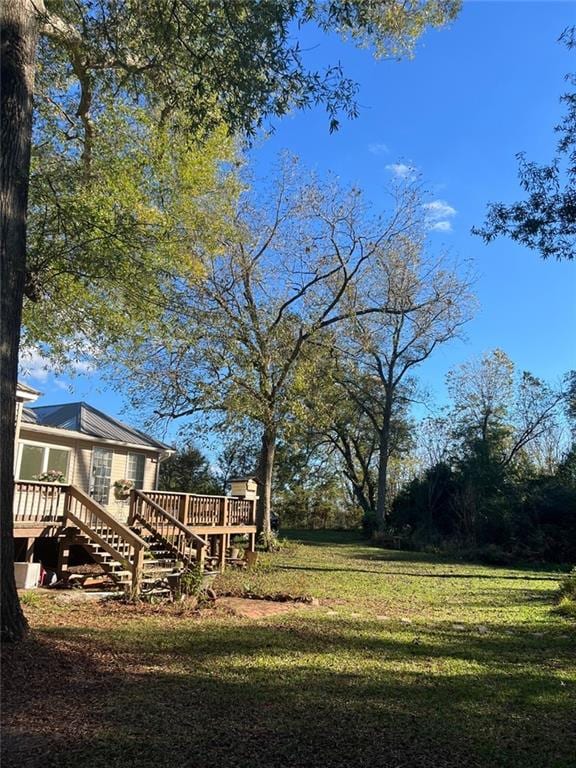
[{"x": 137, "y": 556}]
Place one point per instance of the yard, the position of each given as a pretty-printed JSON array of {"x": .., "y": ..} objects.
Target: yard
[{"x": 401, "y": 659}]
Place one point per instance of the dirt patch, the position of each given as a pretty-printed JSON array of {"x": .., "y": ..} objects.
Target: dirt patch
[{"x": 257, "y": 609}]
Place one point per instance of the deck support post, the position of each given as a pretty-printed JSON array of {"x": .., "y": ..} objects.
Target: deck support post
[
  {"x": 222, "y": 552},
  {"x": 30, "y": 550},
  {"x": 137, "y": 568},
  {"x": 63, "y": 557}
]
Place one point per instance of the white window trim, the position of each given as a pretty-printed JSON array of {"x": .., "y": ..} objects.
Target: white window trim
[
  {"x": 47, "y": 446},
  {"x": 107, "y": 449},
  {"x": 135, "y": 453}
]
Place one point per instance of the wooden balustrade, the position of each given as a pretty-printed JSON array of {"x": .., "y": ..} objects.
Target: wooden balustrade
[
  {"x": 125, "y": 546},
  {"x": 36, "y": 502},
  {"x": 182, "y": 542},
  {"x": 195, "y": 510},
  {"x": 241, "y": 511}
]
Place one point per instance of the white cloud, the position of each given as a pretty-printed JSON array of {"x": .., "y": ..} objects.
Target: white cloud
[
  {"x": 439, "y": 209},
  {"x": 36, "y": 366},
  {"x": 438, "y": 215},
  {"x": 401, "y": 170},
  {"x": 442, "y": 226},
  {"x": 378, "y": 149}
]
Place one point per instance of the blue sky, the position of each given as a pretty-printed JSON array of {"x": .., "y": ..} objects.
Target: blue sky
[{"x": 473, "y": 96}]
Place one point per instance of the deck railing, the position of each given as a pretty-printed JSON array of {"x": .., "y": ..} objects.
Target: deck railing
[
  {"x": 66, "y": 505},
  {"x": 125, "y": 546},
  {"x": 181, "y": 541},
  {"x": 194, "y": 509},
  {"x": 36, "y": 502}
]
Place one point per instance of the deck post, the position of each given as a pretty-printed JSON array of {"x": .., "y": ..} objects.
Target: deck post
[
  {"x": 222, "y": 552},
  {"x": 137, "y": 568},
  {"x": 63, "y": 557},
  {"x": 131, "y": 509},
  {"x": 200, "y": 556},
  {"x": 30, "y": 550},
  {"x": 183, "y": 508}
]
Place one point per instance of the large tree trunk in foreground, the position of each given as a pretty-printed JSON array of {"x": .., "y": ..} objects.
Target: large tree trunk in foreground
[
  {"x": 265, "y": 471},
  {"x": 19, "y": 30}
]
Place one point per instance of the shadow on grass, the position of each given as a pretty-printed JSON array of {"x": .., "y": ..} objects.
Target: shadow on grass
[
  {"x": 294, "y": 694},
  {"x": 374, "y": 553},
  {"x": 420, "y": 574}
]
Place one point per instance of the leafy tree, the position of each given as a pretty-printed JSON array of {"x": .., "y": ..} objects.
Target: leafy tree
[
  {"x": 309, "y": 489},
  {"x": 243, "y": 341},
  {"x": 486, "y": 486},
  {"x": 104, "y": 253},
  {"x": 430, "y": 304},
  {"x": 216, "y": 62},
  {"x": 499, "y": 411},
  {"x": 546, "y": 220},
  {"x": 188, "y": 471}
]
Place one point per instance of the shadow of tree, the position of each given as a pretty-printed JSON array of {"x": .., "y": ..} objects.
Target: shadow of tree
[
  {"x": 422, "y": 574},
  {"x": 288, "y": 693}
]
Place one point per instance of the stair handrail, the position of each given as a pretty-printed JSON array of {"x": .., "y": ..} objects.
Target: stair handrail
[
  {"x": 120, "y": 528},
  {"x": 135, "y": 566},
  {"x": 135, "y": 513}
]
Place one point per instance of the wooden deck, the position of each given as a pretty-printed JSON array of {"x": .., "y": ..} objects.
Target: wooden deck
[{"x": 193, "y": 528}]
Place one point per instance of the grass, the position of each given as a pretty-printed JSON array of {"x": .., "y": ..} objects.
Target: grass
[{"x": 408, "y": 660}]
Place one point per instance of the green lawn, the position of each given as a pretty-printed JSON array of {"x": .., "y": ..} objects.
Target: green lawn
[{"x": 406, "y": 660}]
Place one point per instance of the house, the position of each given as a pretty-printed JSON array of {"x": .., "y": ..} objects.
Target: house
[
  {"x": 88, "y": 449},
  {"x": 69, "y": 460}
]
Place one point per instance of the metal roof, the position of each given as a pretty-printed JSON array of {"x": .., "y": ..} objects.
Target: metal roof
[{"x": 83, "y": 418}]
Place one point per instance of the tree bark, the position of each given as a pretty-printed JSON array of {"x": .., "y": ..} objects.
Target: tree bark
[
  {"x": 19, "y": 36},
  {"x": 266, "y": 470},
  {"x": 382, "y": 497}
]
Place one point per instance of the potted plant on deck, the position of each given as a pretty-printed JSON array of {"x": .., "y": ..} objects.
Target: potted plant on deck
[{"x": 122, "y": 489}]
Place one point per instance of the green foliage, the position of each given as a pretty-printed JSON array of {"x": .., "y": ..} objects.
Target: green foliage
[
  {"x": 134, "y": 107},
  {"x": 106, "y": 246},
  {"x": 188, "y": 471},
  {"x": 29, "y": 598},
  {"x": 494, "y": 495},
  {"x": 568, "y": 585},
  {"x": 191, "y": 582},
  {"x": 220, "y": 62},
  {"x": 567, "y": 602}
]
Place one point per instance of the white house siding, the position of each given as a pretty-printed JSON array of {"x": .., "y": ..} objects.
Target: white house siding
[{"x": 80, "y": 464}]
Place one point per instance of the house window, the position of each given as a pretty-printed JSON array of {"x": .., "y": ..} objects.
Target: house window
[
  {"x": 135, "y": 469},
  {"x": 101, "y": 471},
  {"x": 37, "y": 459}
]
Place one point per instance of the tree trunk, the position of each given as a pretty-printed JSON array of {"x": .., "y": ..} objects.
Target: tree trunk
[
  {"x": 381, "y": 501},
  {"x": 19, "y": 35},
  {"x": 266, "y": 470}
]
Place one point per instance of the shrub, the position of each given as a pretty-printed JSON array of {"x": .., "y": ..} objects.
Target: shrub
[
  {"x": 566, "y": 607},
  {"x": 369, "y": 524},
  {"x": 191, "y": 582}
]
